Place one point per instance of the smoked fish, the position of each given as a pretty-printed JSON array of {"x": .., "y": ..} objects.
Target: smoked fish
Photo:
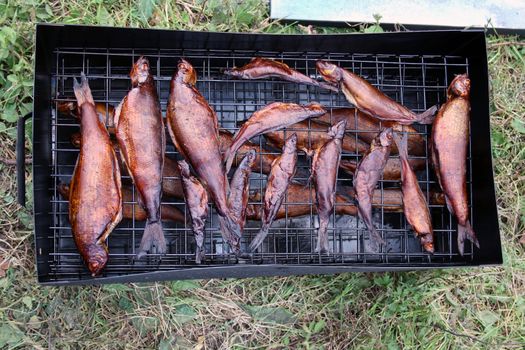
[
  {"x": 239, "y": 188},
  {"x": 71, "y": 109}
]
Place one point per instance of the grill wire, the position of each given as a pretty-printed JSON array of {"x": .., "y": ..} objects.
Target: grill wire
[{"x": 416, "y": 81}]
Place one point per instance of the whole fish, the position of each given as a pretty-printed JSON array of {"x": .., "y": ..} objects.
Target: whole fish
[
  {"x": 369, "y": 99},
  {"x": 263, "y": 68},
  {"x": 197, "y": 204},
  {"x": 311, "y": 135},
  {"x": 105, "y": 112},
  {"x": 368, "y": 127},
  {"x": 283, "y": 169},
  {"x": 298, "y": 199},
  {"x": 132, "y": 210},
  {"x": 392, "y": 170},
  {"x": 325, "y": 164},
  {"x": 170, "y": 173},
  {"x": 142, "y": 142},
  {"x": 95, "y": 203},
  {"x": 275, "y": 116},
  {"x": 368, "y": 172},
  {"x": 449, "y": 146},
  {"x": 414, "y": 203},
  {"x": 239, "y": 188},
  {"x": 263, "y": 158},
  {"x": 193, "y": 127}
]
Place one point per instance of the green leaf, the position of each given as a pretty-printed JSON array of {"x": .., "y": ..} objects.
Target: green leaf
[
  {"x": 28, "y": 301},
  {"x": 144, "y": 324},
  {"x": 146, "y": 8},
  {"x": 184, "y": 285},
  {"x": 518, "y": 125},
  {"x": 104, "y": 17},
  {"x": 10, "y": 335},
  {"x": 318, "y": 326},
  {"x": 375, "y": 28},
  {"x": 10, "y": 114},
  {"x": 116, "y": 288},
  {"x": 269, "y": 314},
  {"x": 488, "y": 318},
  {"x": 125, "y": 304},
  {"x": 184, "y": 313}
]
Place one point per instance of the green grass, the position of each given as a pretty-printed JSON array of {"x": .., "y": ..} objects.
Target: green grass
[{"x": 460, "y": 308}]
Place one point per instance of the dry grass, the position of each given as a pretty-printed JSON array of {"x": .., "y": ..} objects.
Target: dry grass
[{"x": 462, "y": 308}]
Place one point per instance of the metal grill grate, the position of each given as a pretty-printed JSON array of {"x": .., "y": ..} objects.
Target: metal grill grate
[{"x": 416, "y": 81}]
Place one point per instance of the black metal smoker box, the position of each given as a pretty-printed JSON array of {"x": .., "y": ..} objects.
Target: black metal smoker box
[{"x": 414, "y": 68}]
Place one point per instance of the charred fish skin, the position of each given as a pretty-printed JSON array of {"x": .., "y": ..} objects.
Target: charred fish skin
[
  {"x": 239, "y": 188},
  {"x": 368, "y": 173},
  {"x": 324, "y": 174},
  {"x": 274, "y": 116},
  {"x": 95, "y": 202},
  {"x": 449, "y": 147},
  {"x": 197, "y": 202},
  {"x": 141, "y": 138},
  {"x": 369, "y": 99},
  {"x": 262, "y": 68},
  {"x": 414, "y": 203},
  {"x": 193, "y": 127},
  {"x": 283, "y": 170}
]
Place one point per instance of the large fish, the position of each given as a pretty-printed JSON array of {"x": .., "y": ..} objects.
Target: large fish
[
  {"x": 263, "y": 68},
  {"x": 132, "y": 210},
  {"x": 193, "y": 127},
  {"x": 369, "y": 99},
  {"x": 449, "y": 146},
  {"x": 325, "y": 164},
  {"x": 368, "y": 127},
  {"x": 392, "y": 170},
  {"x": 368, "y": 173},
  {"x": 142, "y": 142},
  {"x": 414, "y": 203},
  {"x": 95, "y": 202},
  {"x": 283, "y": 170},
  {"x": 275, "y": 116},
  {"x": 197, "y": 204},
  {"x": 239, "y": 188}
]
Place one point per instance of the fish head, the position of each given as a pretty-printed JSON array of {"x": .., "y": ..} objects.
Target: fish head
[
  {"x": 316, "y": 108},
  {"x": 250, "y": 158},
  {"x": 337, "y": 131},
  {"x": 185, "y": 72},
  {"x": 96, "y": 257},
  {"x": 184, "y": 168},
  {"x": 427, "y": 241},
  {"x": 75, "y": 139},
  {"x": 386, "y": 137},
  {"x": 68, "y": 108},
  {"x": 460, "y": 86},
  {"x": 290, "y": 146},
  {"x": 63, "y": 189},
  {"x": 329, "y": 71},
  {"x": 140, "y": 71}
]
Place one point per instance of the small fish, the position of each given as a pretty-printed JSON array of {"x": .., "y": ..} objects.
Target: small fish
[
  {"x": 275, "y": 116},
  {"x": 414, "y": 204},
  {"x": 283, "y": 170},
  {"x": 95, "y": 201},
  {"x": 197, "y": 204},
  {"x": 142, "y": 142},
  {"x": 263, "y": 68},
  {"x": 239, "y": 188},
  {"x": 449, "y": 147},
  {"x": 368, "y": 172},
  {"x": 369, "y": 99},
  {"x": 391, "y": 199},
  {"x": 392, "y": 170},
  {"x": 325, "y": 164}
]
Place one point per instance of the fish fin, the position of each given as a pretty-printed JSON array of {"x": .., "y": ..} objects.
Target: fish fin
[
  {"x": 153, "y": 240},
  {"x": 116, "y": 114},
  {"x": 466, "y": 232},
  {"x": 259, "y": 238},
  {"x": 322, "y": 246},
  {"x": 82, "y": 91},
  {"x": 375, "y": 238},
  {"x": 427, "y": 117},
  {"x": 229, "y": 156}
]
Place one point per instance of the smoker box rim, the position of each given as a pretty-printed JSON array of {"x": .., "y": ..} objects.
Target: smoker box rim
[{"x": 270, "y": 269}]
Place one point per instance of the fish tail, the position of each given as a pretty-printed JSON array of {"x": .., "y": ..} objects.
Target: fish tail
[
  {"x": 228, "y": 157},
  {"x": 322, "y": 237},
  {"x": 231, "y": 232},
  {"x": 466, "y": 232},
  {"x": 427, "y": 117},
  {"x": 198, "y": 231},
  {"x": 375, "y": 238},
  {"x": 152, "y": 240},
  {"x": 82, "y": 91},
  {"x": 402, "y": 145},
  {"x": 259, "y": 238}
]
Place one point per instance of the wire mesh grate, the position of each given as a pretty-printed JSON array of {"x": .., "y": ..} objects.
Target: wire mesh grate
[{"x": 416, "y": 81}]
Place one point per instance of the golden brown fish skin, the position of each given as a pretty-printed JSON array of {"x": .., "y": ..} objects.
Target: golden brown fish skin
[
  {"x": 197, "y": 203},
  {"x": 392, "y": 169},
  {"x": 193, "y": 127},
  {"x": 274, "y": 116},
  {"x": 414, "y": 203},
  {"x": 369, "y": 99},
  {"x": 263, "y": 68},
  {"x": 263, "y": 159},
  {"x": 95, "y": 203},
  {"x": 369, "y": 127},
  {"x": 239, "y": 188},
  {"x": 325, "y": 165},
  {"x": 368, "y": 173},
  {"x": 314, "y": 138},
  {"x": 141, "y": 138},
  {"x": 449, "y": 147},
  {"x": 132, "y": 210},
  {"x": 283, "y": 170}
]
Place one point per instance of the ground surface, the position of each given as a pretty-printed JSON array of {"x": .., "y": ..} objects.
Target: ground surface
[{"x": 477, "y": 308}]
